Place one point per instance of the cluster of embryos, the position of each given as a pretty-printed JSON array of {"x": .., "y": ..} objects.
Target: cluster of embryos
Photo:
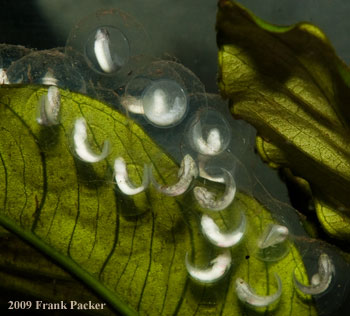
[{"x": 163, "y": 96}]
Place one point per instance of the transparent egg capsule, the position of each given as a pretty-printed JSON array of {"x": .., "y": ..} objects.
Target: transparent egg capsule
[
  {"x": 209, "y": 132},
  {"x": 109, "y": 41},
  {"x": 107, "y": 49},
  {"x": 241, "y": 133},
  {"x": 210, "y": 168},
  {"x": 229, "y": 234},
  {"x": 164, "y": 103},
  {"x": 47, "y": 67},
  {"x": 218, "y": 267},
  {"x": 222, "y": 177},
  {"x": 163, "y": 91},
  {"x": 82, "y": 143},
  {"x": 273, "y": 243},
  {"x": 210, "y": 200},
  {"x": 321, "y": 282},
  {"x": 258, "y": 302},
  {"x": 49, "y": 106}
]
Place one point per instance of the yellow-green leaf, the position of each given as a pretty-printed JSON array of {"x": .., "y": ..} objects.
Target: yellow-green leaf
[
  {"x": 289, "y": 83},
  {"x": 129, "y": 250}
]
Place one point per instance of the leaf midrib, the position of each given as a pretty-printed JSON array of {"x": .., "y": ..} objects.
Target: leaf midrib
[{"x": 70, "y": 265}]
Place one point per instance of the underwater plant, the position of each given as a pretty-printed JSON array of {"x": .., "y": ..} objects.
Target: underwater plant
[{"x": 121, "y": 169}]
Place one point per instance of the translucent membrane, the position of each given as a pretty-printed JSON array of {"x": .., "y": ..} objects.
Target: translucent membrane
[
  {"x": 48, "y": 67},
  {"x": 164, "y": 103},
  {"x": 122, "y": 178},
  {"x": 110, "y": 42},
  {"x": 273, "y": 243},
  {"x": 49, "y": 107},
  {"x": 272, "y": 236},
  {"x": 163, "y": 92},
  {"x": 223, "y": 239},
  {"x": 187, "y": 172},
  {"x": 107, "y": 49},
  {"x": 209, "y": 133},
  {"x": 248, "y": 296},
  {"x": 82, "y": 148},
  {"x": 320, "y": 281},
  {"x": 217, "y": 202},
  {"x": 210, "y": 168},
  {"x": 219, "y": 266}
]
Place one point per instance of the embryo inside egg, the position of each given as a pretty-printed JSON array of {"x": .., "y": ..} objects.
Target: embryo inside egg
[{"x": 165, "y": 103}]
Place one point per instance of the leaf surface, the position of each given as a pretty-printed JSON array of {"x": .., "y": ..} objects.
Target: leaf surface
[
  {"x": 130, "y": 250},
  {"x": 289, "y": 83},
  {"x": 30, "y": 275}
]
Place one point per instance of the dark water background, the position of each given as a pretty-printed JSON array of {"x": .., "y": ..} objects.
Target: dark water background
[{"x": 182, "y": 28}]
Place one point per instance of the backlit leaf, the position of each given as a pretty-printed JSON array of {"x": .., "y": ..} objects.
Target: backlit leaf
[
  {"x": 289, "y": 83},
  {"x": 26, "y": 274},
  {"x": 129, "y": 250}
]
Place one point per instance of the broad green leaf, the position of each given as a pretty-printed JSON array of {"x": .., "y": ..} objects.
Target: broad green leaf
[
  {"x": 129, "y": 250},
  {"x": 27, "y": 273},
  {"x": 289, "y": 83}
]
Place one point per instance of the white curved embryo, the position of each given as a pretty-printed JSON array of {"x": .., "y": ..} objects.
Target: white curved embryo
[
  {"x": 49, "y": 107},
  {"x": 273, "y": 235},
  {"x": 187, "y": 172},
  {"x": 212, "y": 145},
  {"x": 207, "y": 199},
  {"x": 102, "y": 51},
  {"x": 321, "y": 280},
  {"x": 123, "y": 181},
  {"x": 219, "y": 239},
  {"x": 81, "y": 145},
  {"x": 220, "y": 265},
  {"x": 247, "y": 295}
]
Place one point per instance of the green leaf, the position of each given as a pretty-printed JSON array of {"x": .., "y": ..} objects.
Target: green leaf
[
  {"x": 289, "y": 83},
  {"x": 26, "y": 273},
  {"x": 129, "y": 250}
]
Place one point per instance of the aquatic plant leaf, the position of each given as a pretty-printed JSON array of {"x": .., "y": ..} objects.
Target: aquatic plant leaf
[
  {"x": 26, "y": 273},
  {"x": 129, "y": 249},
  {"x": 289, "y": 83}
]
